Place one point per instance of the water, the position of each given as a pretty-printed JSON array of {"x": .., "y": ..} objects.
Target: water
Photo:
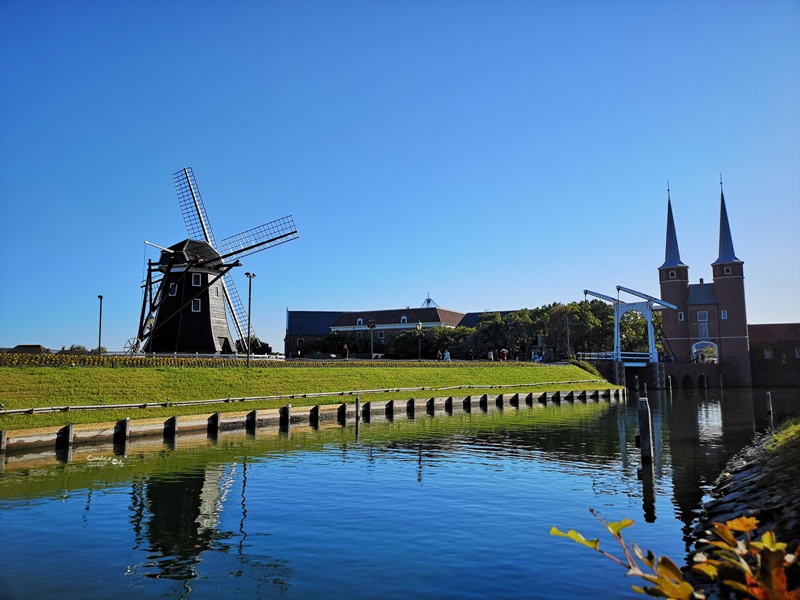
[{"x": 437, "y": 507}]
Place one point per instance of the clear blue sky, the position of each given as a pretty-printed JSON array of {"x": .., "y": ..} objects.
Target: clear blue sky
[{"x": 496, "y": 155}]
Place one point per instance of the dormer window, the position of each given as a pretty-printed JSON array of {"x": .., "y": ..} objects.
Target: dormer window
[
  {"x": 404, "y": 319},
  {"x": 359, "y": 321}
]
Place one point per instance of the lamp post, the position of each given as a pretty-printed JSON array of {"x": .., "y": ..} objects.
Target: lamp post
[
  {"x": 100, "y": 327},
  {"x": 419, "y": 341},
  {"x": 249, "y": 305},
  {"x": 371, "y": 326}
]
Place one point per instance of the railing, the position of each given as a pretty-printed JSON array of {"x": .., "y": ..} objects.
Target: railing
[{"x": 623, "y": 356}]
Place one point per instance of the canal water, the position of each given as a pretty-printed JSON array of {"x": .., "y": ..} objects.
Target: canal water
[{"x": 433, "y": 507}]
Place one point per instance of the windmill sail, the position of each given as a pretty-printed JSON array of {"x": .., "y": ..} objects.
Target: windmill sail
[
  {"x": 259, "y": 238},
  {"x": 192, "y": 208}
]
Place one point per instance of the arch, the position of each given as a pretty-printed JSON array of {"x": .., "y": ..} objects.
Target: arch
[
  {"x": 705, "y": 352},
  {"x": 687, "y": 382},
  {"x": 404, "y": 319},
  {"x": 359, "y": 321},
  {"x": 702, "y": 381}
]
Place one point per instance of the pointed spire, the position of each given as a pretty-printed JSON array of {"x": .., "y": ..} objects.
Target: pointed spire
[
  {"x": 672, "y": 256},
  {"x": 726, "y": 253}
]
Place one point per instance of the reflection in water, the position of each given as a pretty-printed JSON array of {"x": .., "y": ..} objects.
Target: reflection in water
[{"x": 326, "y": 513}]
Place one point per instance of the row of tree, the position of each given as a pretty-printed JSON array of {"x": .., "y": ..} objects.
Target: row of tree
[{"x": 551, "y": 332}]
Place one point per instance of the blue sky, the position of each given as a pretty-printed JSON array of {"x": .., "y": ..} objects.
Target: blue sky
[{"x": 495, "y": 155}]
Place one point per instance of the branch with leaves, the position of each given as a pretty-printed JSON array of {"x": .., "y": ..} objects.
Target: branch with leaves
[{"x": 746, "y": 568}]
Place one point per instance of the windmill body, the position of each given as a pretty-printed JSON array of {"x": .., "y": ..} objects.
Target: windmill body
[
  {"x": 191, "y": 307},
  {"x": 190, "y": 298}
]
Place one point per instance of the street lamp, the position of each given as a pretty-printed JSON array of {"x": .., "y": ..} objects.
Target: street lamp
[
  {"x": 249, "y": 305},
  {"x": 100, "y": 327},
  {"x": 419, "y": 340}
]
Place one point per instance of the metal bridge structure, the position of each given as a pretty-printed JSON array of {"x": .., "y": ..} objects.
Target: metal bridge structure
[{"x": 645, "y": 307}]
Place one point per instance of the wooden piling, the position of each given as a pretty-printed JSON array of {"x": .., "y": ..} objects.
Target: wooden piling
[{"x": 645, "y": 430}]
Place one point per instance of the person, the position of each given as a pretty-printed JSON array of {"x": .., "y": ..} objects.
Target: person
[
  {"x": 491, "y": 356},
  {"x": 345, "y": 352},
  {"x": 447, "y": 355},
  {"x": 438, "y": 355}
]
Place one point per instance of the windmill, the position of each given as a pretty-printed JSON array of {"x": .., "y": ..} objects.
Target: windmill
[{"x": 189, "y": 294}]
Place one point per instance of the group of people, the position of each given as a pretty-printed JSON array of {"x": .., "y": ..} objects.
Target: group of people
[{"x": 445, "y": 357}]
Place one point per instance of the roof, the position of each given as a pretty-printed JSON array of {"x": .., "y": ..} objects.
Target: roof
[
  {"x": 29, "y": 349},
  {"x": 672, "y": 256},
  {"x": 189, "y": 250},
  {"x": 701, "y": 293},
  {"x": 726, "y": 253},
  {"x": 393, "y": 316},
  {"x": 310, "y": 322}
]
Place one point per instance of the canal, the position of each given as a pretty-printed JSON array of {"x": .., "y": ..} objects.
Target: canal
[{"x": 444, "y": 506}]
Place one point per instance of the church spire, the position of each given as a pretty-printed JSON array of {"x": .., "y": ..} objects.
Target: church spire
[
  {"x": 672, "y": 256},
  {"x": 726, "y": 253}
]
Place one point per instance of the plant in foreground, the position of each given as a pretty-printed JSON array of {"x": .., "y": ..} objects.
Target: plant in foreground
[{"x": 747, "y": 568}]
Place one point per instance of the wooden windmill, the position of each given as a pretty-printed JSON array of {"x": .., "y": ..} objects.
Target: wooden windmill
[{"x": 189, "y": 294}]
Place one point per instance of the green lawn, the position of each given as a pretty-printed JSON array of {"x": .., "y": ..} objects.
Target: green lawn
[{"x": 29, "y": 387}]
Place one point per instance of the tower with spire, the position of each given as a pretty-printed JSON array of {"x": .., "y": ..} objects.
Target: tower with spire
[{"x": 711, "y": 320}]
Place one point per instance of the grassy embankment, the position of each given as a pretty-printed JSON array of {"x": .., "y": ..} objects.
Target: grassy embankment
[
  {"x": 33, "y": 387},
  {"x": 785, "y": 446}
]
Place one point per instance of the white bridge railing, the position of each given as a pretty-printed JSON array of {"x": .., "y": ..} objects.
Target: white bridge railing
[{"x": 623, "y": 356}]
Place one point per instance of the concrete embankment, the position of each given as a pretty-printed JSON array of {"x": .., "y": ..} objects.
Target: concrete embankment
[{"x": 63, "y": 439}]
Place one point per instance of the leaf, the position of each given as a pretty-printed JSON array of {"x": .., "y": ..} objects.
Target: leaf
[
  {"x": 649, "y": 559},
  {"x": 618, "y": 526},
  {"x": 725, "y": 534},
  {"x": 667, "y": 567},
  {"x": 576, "y": 537},
  {"x": 706, "y": 569},
  {"x": 743, "y": 524}
]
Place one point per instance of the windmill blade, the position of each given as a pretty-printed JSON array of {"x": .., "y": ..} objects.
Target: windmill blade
[
  {"x": 259, "y": 238},
  {"x": 194, "y": 213},
  {"x": 235, "y": 308}
]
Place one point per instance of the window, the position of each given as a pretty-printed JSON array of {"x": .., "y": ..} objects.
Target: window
[
  {"x": 702, "y": 315},
  {"x": 197, "y": 280},
  {"x": 196, "y": 305},
  {"x": 358, "y": 334},
  {"x": 173, "y": 289},
  {"x": 404, "y": 319},
  {"x": 723, "y": 315},
  {"x": 672, "y": 275},
  {"x": 216, "y": 291},
  {"x": 767, "y": 352},
  {"x": 300, "y": 341},
  {"x": 727, "y": 270},
  {"x": 359, "y": 321},
  {"x": 380, "y": 335},
  {"x": 680, "y": 316}
]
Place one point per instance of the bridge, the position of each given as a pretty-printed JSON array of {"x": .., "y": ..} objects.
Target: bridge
[{"x": 645, "y": 307}]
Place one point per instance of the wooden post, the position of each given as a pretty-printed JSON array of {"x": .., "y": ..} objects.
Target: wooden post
[
  {"x": 285, "y": 418},
  {"x": 313, "y": 417},
  {"x": 65, "y": 437},
  {"x": 3, "y": 440},
  {"x": 213, "y": 425},
  {"x": 645, "y": 430},
  {"x": 251, "y": 421}
]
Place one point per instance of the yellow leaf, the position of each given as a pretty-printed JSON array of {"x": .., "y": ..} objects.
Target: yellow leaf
[
  {"x": 618, "y": 526},
  {"x": 669, "y": 568},
  {"x": 576, "y": 537},
  {"x": 743, "y": 524},
  {"x": 706, "y": 569}
]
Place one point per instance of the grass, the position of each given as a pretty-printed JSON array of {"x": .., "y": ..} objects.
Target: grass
[{"x": 36, "y": 387}]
